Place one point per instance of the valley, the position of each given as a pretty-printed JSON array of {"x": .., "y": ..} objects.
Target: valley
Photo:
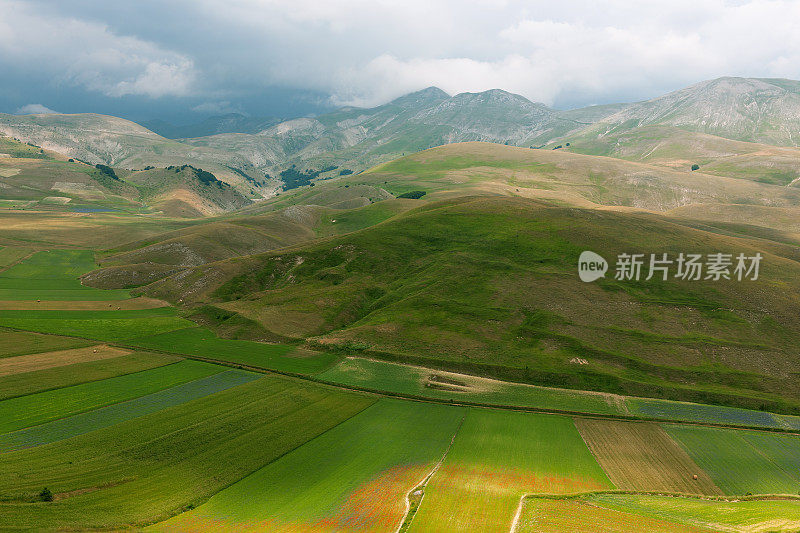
[{"x": 188, "y": 344}]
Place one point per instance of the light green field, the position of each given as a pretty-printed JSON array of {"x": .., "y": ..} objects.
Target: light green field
[
  {"x": 755, "y": 515},
  {"x": 147, "y": 469},
  {"x": 429, "y": 383},
  {"x": 23, "y": 343},
  {"x": 53, "y": 275},
  {"x": 77, "y": 373},
  {"x": 351, "y": 478},
  {"x": 742, "y": 462},
  {"x": 202, "y": 342},
  {"x": 99, "y": 325},
  {"x": 26, "y": 411},
  {"x": 12, "y": 254},
  {"x": 497, "y": 457},
  {"x": 103, "y": 417},
  {"x": 584, "y": 515}
]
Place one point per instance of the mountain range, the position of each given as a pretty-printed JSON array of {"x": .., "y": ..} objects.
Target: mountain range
[{"x": 713, "y": 123}]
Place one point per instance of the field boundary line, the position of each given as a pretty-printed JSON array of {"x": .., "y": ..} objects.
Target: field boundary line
[
  {"x": 104, "y": 405},
  {"x": 706, "y": 497},
  {"x": 413, "y": 397},
  {"x": 18, "y": 261},
  {"x": 518, "y": 514},
  {"x": 408, "y": 518}
]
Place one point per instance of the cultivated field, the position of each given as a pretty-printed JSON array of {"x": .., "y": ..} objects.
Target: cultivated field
[
  {"x": 743, "y": 462},
  {"x": 146, "y": 469},
  {"x": 641, "y": 456},
  {"x": 115, "y": 413},
  {"x": 79, "y": 372},
  {"x": 354, "y": 477},
  {"x": 705, "y": 515},
  {"x": 204, "y": 343},
  {"x": 631, "y": 513},
  {"x": 496, "y": 458},
  {"x": 25, "y": 411},
  {"x": 543, "y": 515}
]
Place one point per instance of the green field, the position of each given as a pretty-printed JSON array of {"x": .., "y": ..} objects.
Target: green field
[
  {"x": 34, "y": 409},
  {"x": 497, "y": 457},
  {"x": 202, "y": 342},
  {"x": 755, "y": 515},
  {"x": 742, "y": 462},
  {"x": 53, "y": 275},
  {"x": 14, "y": 343},
  {"x": 147, "y": 469},
  {"x": 103, "y": 417},
  {"x": 12, "y": 254},
  {"x": 112, "y": 326},
  {"x": 429, "y": 383},
  {"x": 633, "y": 513},
  {"x": 352, "y": 478},
  {"x": 77, "y": 373}
]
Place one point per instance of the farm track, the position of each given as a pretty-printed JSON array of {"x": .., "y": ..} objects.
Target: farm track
[
  {"x": 412, "y": 397},
  {"x": 409, "y": 516}
]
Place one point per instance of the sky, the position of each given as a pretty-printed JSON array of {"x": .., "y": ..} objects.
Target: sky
[{"x": 183, "y": 60}]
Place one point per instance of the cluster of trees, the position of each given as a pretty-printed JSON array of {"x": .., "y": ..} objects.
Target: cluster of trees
[
  {"x": 414, "y": 195},
  {"x": 203, "y": 176},
  {"x": 293, "y": 178},
  {"x": 107, "y": 170}
]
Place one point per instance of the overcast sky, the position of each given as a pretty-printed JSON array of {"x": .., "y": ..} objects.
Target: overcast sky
[{"x": 184, "y": 59}]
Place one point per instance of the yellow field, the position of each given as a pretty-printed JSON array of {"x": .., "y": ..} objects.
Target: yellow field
[
  {"x": 641, "y": 456},
  {"x": 40, "y": 361}
]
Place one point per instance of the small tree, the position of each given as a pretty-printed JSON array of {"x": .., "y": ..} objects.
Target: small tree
[
  {"x": 695, "y": 167},
  {"x": 46, "y": 495}
]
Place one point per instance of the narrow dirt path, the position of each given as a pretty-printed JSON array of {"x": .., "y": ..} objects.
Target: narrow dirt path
[{"x": 420, "y": 487}]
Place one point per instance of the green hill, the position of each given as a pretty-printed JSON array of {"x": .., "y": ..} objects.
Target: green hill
[
  {"x": 745, "y": 109},
  {"x": 489, "y": 286},
  {"x": 121, "y": 143}
]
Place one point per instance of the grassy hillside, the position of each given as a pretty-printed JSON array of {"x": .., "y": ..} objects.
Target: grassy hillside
[
  {"x": 117, "y": 142},
  {"x": 744, "y": 109},
  {"x": 489, "y": 286}
]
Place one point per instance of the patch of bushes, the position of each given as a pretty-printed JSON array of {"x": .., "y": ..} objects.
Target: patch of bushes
[
  {"x": 107, "y": 170},
  {"x": 414, "y": 195}
]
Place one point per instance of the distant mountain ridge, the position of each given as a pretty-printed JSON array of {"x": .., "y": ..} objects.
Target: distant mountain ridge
[
  {"x": 228, "y": 123},
  {"x": 353, "y": 139},
  {"x": 743, "y": 109},
  {"x": 358, "y": 138}
]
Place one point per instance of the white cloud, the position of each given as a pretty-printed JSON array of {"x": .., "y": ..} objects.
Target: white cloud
[
  {"x": 88, "y": 54},
  {"x": 368, "y": 51},
  {"x": 35, "y": 109}
]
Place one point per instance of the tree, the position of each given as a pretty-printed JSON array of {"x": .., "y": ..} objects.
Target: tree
[
  {"x": 695, "y": 167},
  {"x": 46, "y": 495}
]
